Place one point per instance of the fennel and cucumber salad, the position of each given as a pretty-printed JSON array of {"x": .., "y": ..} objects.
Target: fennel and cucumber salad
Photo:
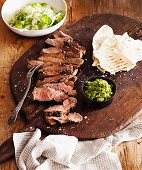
[{"x": 36, "y": 16}]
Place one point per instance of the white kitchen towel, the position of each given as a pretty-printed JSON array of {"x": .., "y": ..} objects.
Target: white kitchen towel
[{"x": 61, "y": 152}]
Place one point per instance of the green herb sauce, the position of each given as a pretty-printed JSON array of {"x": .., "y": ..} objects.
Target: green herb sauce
[{"x": 98, "y": 90}]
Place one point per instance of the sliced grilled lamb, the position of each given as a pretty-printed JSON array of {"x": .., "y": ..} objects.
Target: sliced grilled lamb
[
  {"x": 65, "y": 37},
  {"x": 51, "y": 50},
  {"x": 69, "y": 103},
  {"x": 75, "y": 117},
  {"x": 54, "y": 55},
  {"x": 62, "y": 119},
  {"x": 72, "y": 52},
  {"x": 57, "y": 108},
  {"x": 34, "y": 63},
  {"x": 51, "y": 59},
  {"x": 71, "y": 117},
  {"x": 55, "y": 79},
  {"x": 78, "y": 47},
  {"x": 69, "y": 83},
  {"x": 59, "y": 68},
  {"x": 76, "y": 62},
  {"x": 58, "y": 42},
  {"x": 48, "y": 94},
  {"x": 61, "y": 86},
  {"x": 40, "y": 83},
  {"x": 54, "y": 58},
  {"x": 46, "y": 74}
]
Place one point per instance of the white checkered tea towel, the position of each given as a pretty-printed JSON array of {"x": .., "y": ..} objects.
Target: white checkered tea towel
[{"x": 61, "y": 152}]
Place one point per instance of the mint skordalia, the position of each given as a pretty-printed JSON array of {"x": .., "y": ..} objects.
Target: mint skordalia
[{"x": 99, "y": 90}]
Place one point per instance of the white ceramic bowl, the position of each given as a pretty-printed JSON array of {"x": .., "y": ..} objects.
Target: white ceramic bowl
[{"x": 11, "y": 6}]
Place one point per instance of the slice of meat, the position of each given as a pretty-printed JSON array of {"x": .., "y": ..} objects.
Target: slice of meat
[
  {"x": 72, "y": 52},
  {"x": 62, "y": 119},
  {"x": 61, "y": 86},
  {"x": 69, "y": 83},
  {"x": 50, "y": 63},
  {"x": 61, "y": 69},
  {"x": 57, "y": 42},
  {"x": 57, "y": 108},
  {"x": 51, "y": 59},
  {"x": 69, "y": 103},
  {"x": 51, "y": 50},
  {"x": 54, "y": 55},
  {"x": 78, "y": 47},
  {"x": 55, "y": 79},
  {"x": 42, "y": 94},
  {"x": 34, "y": 63},
  {"x": 46, "y": 74},
  {"x": 71, "y": 117},
  {"x": 65, "y": 37},
  {"x": 75, "y": 117},
  {"x": 75, "y": 61},
  {"x": 48, "y": 94}
]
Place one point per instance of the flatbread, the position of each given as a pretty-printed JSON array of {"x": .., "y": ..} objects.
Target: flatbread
[{"x": 114, "y": 53}]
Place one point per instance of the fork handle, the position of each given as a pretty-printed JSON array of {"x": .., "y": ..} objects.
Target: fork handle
[{"x": 13, "y": 118}]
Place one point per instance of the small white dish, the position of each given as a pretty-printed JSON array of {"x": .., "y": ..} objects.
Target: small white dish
[{"x": 10, "y": 7}]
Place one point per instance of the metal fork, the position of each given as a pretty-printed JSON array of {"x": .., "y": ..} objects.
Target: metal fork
[{"x": 29, "y": 75}]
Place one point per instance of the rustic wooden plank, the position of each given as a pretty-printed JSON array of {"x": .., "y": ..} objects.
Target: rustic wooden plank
[{"x": 107, "y": 120}]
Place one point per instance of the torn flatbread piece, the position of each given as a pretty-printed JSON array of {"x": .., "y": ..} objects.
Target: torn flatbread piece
[{"x": 114, "y": 53}]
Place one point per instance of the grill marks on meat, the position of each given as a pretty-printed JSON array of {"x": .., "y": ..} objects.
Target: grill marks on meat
[{"x": 57, "y": 73}]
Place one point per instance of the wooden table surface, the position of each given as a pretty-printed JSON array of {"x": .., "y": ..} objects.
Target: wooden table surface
[{"x": 12, "y": 46}]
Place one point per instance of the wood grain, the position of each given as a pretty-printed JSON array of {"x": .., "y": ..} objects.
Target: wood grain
[{"x": 13, "y": 46}]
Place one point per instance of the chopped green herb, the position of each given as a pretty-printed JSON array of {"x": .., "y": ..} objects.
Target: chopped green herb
[{"x": 98, "y": 90}]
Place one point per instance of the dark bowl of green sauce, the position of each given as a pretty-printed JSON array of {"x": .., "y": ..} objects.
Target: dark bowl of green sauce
[{"x": 99, "y": 91}]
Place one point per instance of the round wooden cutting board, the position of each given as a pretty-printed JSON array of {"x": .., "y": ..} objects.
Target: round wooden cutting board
[{"x": 97, "y": 123}]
